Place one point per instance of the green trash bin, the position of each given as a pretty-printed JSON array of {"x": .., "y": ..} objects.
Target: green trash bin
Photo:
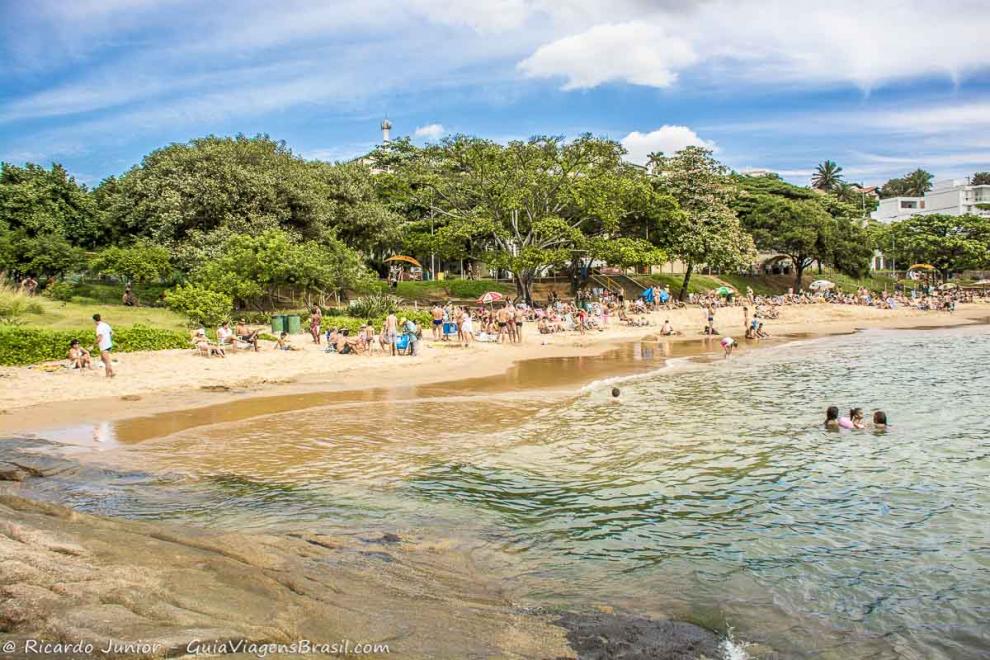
[
  {"x": 292, "y": 324},
  {"x": 278, "y": 324}
]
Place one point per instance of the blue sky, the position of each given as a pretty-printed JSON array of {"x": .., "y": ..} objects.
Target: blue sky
[{"x": 881, "y": 87}]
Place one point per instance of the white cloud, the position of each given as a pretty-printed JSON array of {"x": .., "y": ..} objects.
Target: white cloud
[
  {"x": 633, "y": 52},
  {"x": 668, "y": 139},
  {"x": 772, "y": 41},
  {"x": 430, "y": 131}
]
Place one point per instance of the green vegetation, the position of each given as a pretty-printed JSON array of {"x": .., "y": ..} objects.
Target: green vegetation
[
  {"x": 223, "y": 224},
  {"x": 529, "y": 205},
  {"x": 707, "y": 231},
  {"x": 950, "y": 243},
  {"x": 24, "y": 345},
  {"x": 442, "y": 290},
  {"x": 913, "y": 184}
]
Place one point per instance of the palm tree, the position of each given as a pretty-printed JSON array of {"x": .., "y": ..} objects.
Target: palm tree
[
  {"x": 827, "y": 176},
  {"x": 918, "y": 182}
]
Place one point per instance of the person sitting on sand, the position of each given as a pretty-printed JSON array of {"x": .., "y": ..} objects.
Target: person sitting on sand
[
  {"x": 204, "y": 346},
  {"x": 246, "y": 335},
  {"x": 832, "y": 418},
  {"x": 760, "y": 332},
  {"x": 79, "y": 357},
  {"x": 666, "y": 329},
  {"x": 283, "y": 343},
  {"x": 879, "y": 421},
  {"x": 332, "y": 335},
  {"x": 225, "y": 336}
]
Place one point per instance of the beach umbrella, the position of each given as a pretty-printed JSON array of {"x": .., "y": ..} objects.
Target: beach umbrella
[
  {"x": 821, "y": 285},
  {"x": 490, "y": 297},
  {"x": 922, "y": 267},
  {"x": 947, "y": 285},
  {"x": 724, "y": 291},
  {"x": 982, "y": 282}
]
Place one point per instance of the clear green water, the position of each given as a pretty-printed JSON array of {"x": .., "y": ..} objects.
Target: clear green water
[{"x": 708, "y": 492}]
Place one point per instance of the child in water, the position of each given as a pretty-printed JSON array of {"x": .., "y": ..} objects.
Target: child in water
[
  {"x": 879, "y": 421},
  {"x": 854, "y": 421},
  {"x": 728, "y": 343}
]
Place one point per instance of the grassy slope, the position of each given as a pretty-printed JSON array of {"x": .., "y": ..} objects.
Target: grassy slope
[
  {"x": 462, "y": 289},
  {"x": 79, "y": 315}
]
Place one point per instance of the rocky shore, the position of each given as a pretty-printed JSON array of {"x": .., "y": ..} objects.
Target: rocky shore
[{"x": 93, "y": 586}]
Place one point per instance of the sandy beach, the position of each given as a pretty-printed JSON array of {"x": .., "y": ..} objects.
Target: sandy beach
[{"x": 151, "y": 382}]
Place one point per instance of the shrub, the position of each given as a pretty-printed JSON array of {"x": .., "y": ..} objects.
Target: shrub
[
  {"x": 14, "y": 304},
  {"x": 373, "y": 305},
  {"x": 61, "y": 291},
  {"x": 199, "y": 305},
  {"x": 21, "y": 346}
]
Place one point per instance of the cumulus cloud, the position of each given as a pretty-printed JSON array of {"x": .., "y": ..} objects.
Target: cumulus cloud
[
  {"x": 772, "y": 41},
  {"x": 668, "y": 139},
  {"x": 430, "y": 131},
  {"x": 633, "y": 52}
]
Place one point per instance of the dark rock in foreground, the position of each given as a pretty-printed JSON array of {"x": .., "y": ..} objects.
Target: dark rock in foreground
[{"x": 600, "y": 636}]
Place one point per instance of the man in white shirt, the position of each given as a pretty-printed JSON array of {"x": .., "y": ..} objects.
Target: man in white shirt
[{"x": 104, "y": 341}]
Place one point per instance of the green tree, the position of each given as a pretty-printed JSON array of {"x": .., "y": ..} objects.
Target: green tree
[
  {"x": 950, "y": 243},
  {"x": 185, "y": 193},
  {"x": 47, "y": 202},
  {"x": 913, "y": 184},
  {"x": 530, "y": 205},
  {"x": 707, "y": 232},
  {"x": 827, "y": 176},
  {"x": 252, "y": 269},
  {"x": 980, "y": 179},
  {"x": 801, "y": 230},
  {"x": 141, "y": 262}
]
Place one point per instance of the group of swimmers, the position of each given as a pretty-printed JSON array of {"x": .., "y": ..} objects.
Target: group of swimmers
[{"x": 854, "y": 421}]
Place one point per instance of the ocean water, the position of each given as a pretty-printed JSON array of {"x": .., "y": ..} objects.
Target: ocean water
[{"x": 708, "y": 491}]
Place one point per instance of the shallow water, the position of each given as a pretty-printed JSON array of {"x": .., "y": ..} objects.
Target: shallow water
[{"x": 707, "y": 491}]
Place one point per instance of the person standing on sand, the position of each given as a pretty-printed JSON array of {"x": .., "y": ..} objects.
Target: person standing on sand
[
  {"x": 104, "y": 341},
  {"x": 315, "y": 323},
  {"x": 391, "y": 331},
  {"x": 437, "y": 314}
]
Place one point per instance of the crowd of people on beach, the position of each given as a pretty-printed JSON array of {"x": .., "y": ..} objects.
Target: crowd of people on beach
[{"x": 592, "y": 310}]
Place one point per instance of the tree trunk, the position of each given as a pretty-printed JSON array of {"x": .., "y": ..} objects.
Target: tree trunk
[
  {"x": 684, "y": 286},
  {"x": 524, "y": 286},
  {"x": 798, "y": 274}
]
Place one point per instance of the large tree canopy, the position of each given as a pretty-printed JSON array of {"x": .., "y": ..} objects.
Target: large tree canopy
[
  {"x": 804, "y": 225},
  {"x": 708, "y": 231},
  {"x": 950, "y": 243},
  {"x": 530, "y": 205},
  {"x": 185, "y": 192}
]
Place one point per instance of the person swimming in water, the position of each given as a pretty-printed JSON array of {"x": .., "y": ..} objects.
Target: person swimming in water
[
  {"x": 854, "y": 420},
  {"x": 615, "y": 392},
  {"x": 832, "y": 418},
  {"x": 879, "y": 421}
]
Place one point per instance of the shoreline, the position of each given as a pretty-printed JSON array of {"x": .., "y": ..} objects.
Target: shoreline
[{"x": 33, "y": 400}]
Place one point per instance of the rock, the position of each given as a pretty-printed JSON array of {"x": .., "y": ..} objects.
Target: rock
[
  {"x": 598, "y": 636},
  {"x": 10, "y": 472},
  {"x": 131, "y": 397},
  {"x": 215, "y": 388}
]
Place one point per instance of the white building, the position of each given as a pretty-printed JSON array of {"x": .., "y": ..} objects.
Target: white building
[{"x": 950, "y": 197}]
